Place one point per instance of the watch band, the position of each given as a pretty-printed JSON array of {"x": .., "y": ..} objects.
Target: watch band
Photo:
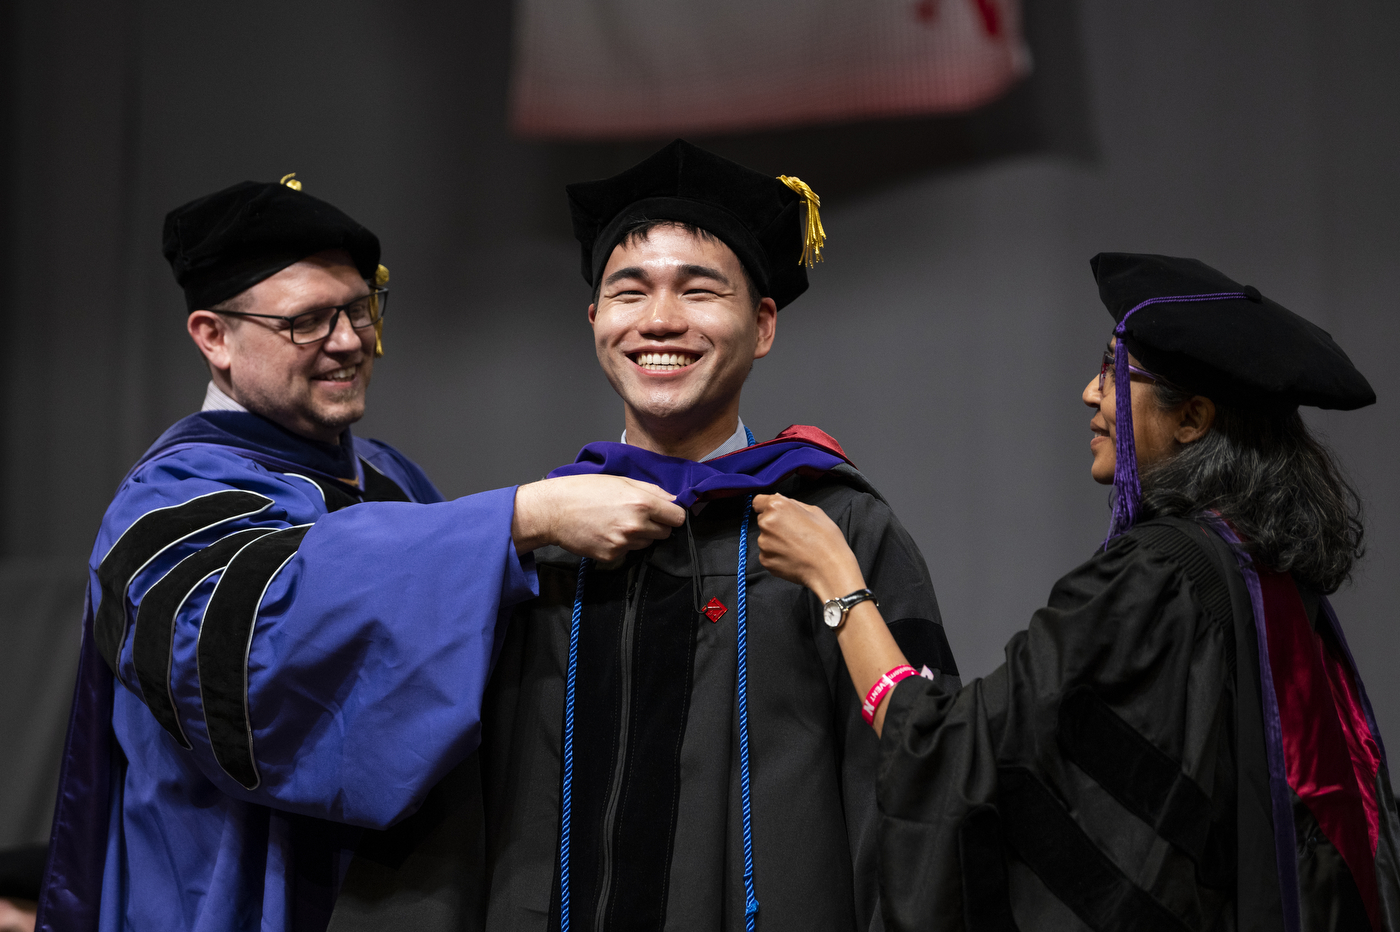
[{"x": 844, "y": 604}]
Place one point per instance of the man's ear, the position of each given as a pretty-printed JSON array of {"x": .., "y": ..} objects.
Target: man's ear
[
  {"x": 767, "y": 327},
  {"x": 210, "y": 333},
  {"x": 1194, "y": 419},
  {"x": 593, "y": 313}
]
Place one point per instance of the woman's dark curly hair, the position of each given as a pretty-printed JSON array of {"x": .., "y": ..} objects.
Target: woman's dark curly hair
[{"x": 1267, "y": 475}]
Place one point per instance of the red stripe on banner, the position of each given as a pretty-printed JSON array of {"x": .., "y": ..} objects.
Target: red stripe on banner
[
  {"x": 639, "y": 69},
  {"x": 1330, "y": 754},
  {"x": 991, "y": 16}
]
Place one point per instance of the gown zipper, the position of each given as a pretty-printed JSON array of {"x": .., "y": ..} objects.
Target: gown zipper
[{"x": 635, "y": 578}]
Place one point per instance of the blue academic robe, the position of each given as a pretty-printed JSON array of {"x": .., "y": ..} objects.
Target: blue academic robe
[{"x": 286, "y": 642}]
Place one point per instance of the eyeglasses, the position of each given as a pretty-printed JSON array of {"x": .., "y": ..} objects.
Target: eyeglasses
[
  {"x": 315, "y": 326},
  {"x": 1109, "y": 360}
]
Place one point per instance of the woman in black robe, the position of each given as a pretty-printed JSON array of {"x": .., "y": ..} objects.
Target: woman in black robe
[{"x": 1180, "y": 739}]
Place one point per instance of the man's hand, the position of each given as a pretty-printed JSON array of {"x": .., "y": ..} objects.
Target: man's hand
[
  {"x": 601, "y": 517},
  {"x": 799, "y": 543}
]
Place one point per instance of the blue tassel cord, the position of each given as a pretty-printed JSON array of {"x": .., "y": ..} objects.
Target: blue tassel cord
[
  {"x": 750, "y": 901},
  {"x": 566, "y": 797}
]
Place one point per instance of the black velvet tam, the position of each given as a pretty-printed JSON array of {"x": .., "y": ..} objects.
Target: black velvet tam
[
  {"x": 1242, "y": 348},
  {"x": 224, "y": 243},
  {"x": 756, "y": 215}
]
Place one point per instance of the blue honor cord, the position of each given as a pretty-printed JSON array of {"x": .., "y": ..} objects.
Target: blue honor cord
[
  {"x": 566, "y": 800},
  {"x": 750, "y": 901}
]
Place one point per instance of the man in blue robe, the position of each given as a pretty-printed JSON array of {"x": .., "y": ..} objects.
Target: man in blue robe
[
  {"x": 671, "y": 740},
  {"x": 288, "y": 630}
]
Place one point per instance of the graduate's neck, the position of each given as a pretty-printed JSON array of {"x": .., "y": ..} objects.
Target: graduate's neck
[{"x": 686, "y": 436}]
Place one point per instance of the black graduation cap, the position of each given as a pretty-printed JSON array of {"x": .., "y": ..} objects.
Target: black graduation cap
[
  {"x": 1190, "y": 325},
  {"x": 224, "y": 243},
  {"x": 756, "y": 215},
  {"x": 1204, "y": 332}
]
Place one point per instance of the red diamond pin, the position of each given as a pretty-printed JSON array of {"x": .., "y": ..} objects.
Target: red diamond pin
[{"x": 714, "y": 610}]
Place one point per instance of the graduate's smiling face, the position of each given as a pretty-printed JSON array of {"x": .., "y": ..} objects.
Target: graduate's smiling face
[
  {"x": 677, "y": 329},
  {"x": 1157, "y": 432},
  {"x": 313, "y": 389}
]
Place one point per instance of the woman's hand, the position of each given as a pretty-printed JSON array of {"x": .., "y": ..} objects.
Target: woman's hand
[{"x": 799, "y": 543}]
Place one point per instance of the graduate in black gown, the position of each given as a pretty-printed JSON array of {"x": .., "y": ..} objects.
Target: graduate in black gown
[
  {"x": 1180, "y": 740},
  {"x": 669, "y": 741}
]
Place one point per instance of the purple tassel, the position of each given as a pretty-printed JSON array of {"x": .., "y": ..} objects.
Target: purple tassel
[{"x": 1127, "y": 487}]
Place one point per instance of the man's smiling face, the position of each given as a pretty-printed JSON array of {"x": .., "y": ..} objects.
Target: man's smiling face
[
  {"x": 317, "y": 389},
  {"x": 677, "y": 329}
]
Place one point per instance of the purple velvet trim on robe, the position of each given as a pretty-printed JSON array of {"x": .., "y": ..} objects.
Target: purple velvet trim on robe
[
  {"x": 1285, "y": 842},
  {"x": 260, "y": 439},
  {"x": 81, "y": 813},
  {"x": 749, "y": 470}
]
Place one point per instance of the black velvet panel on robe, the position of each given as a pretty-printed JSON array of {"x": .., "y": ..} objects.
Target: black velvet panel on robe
[{"x": 1111, "y": 775}]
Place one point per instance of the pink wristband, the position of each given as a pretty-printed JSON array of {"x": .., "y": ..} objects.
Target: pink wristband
[{"x": 883, "y": 685}]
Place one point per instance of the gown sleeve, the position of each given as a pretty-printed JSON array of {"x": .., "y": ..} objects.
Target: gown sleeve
[
  {"x": 896, "y": 572},
  {"x": 1121, "y": 669},
  {"x": 329, "y": 664}
]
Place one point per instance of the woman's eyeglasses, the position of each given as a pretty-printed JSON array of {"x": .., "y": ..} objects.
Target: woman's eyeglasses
[{"x": 1109, "y": 360}]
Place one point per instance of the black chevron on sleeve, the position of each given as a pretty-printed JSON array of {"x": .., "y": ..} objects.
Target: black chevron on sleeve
[
  {"x": 152, "y": 640},
  {"x": 1146, "y": 780},
  {"x": 379, "y": 487},
  {"x": 147, "y": 537},
  {"x": 1073, "y": 868},
  {"x": 225, "y": 637}
]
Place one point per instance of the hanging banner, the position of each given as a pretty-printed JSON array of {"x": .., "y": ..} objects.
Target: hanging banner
[{"x": 612, "y": 69}]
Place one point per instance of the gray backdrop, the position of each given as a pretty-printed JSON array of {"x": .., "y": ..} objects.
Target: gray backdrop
[{"x": 945, "y": 341}]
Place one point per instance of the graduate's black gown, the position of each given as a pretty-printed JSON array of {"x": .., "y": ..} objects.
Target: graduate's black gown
[
  {"x": 1112, "y": 774},
  {"x": 656, "y": 802}
]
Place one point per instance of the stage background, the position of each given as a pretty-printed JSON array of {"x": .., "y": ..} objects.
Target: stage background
[{"x": 944, "y": 342}]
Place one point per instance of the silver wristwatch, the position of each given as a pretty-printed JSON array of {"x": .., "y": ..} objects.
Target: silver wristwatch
[{"x": 834, "y": 611}]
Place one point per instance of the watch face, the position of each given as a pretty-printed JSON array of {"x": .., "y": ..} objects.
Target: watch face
[{"x": 831, "y": 614}]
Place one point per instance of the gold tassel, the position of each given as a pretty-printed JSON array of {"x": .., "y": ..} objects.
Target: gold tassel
[
  {"x": 290, "y": 180},
  {"x": 815, "y": 238},
  {"x": 381, "y": 278}
]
